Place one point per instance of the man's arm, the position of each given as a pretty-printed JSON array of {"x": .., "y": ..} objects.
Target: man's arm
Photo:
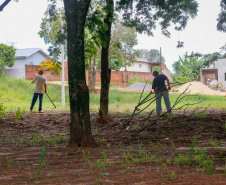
[
  {"x": 168, "y": 84},
  {"x": 34, "y": 80}
]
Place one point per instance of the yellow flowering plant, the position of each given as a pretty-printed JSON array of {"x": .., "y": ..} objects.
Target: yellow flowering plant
[{"x": 49, "y": 65}]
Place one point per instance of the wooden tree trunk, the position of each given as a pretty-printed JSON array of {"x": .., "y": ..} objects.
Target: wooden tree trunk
[
  {"x": 80, "y": 128},
  {"x": 105, "y": 71}
]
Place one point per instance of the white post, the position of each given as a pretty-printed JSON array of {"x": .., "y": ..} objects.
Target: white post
[{"x": 62, "y": 65}]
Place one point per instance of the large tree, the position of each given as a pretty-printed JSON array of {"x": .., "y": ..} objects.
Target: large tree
[
  {"x": 7, "y": 57},
  {"x": 80, "y": 128}
]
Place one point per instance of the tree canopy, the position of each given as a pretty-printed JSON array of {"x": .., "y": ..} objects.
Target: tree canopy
[
  {"x": 152, "y": 55},
  {"x": 145, "y": 14},
  {"x": 7, "y": 56}
]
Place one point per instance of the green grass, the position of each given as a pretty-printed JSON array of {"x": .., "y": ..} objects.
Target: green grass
[{"x": 17, "y": 93}]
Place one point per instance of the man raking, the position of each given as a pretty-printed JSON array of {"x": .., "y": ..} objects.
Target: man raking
[
  {"x": 160, "y": 90},
  {"x": 40, "y": 88}
]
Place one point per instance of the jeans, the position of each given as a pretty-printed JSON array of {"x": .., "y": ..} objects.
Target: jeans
[
  {"x": 35, "y": 97},
  {"x": 159, "y": 96}
]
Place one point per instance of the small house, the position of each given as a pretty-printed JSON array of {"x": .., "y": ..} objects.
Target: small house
[{"x": 29, "y": 56}]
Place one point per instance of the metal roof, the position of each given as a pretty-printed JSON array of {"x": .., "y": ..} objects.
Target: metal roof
[{"x": 24, "y": 53}]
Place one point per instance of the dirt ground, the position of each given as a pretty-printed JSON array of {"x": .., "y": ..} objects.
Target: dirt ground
[{"x": 142, "y": 151}]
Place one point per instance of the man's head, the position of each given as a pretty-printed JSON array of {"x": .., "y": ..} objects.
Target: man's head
[
  {"x": 40, "y": 72},
  {"x": 155, "y": 73}
]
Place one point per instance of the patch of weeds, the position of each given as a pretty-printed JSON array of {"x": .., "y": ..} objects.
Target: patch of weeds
[
  {"x": 2, "y": 110},
  {"x": 135, "y": 127},
  {"x": 222, "y": 152},
  {"x": 96, "y": 131},
  {"x": 98, "y": 181},
  {"x": 121, "y": 144},
  {"x": 201, "y": 115},
  {"x": 6, "y": 139},
  {"x": 158, "y": 160},
  {"x": 74, "y": 174},
  {"x": 172, "y": 175},
  {"x": 191, "y": 148},
  {"x": 30, "y": 176},
  {"x": 53, "y": 174},
  {"x": 152, "y": 144},
  {"x": 41, "y": 162},
  {"x": 66, "y": 155},
  {"x": 108, "y": 145},
  {"x": 87, "y": 159},
  {"x": 20, "y": 141},
  {"x": 124, "y": 171},
  {"x": 103, "y": 140},
  {"x": 104, "y": 154},
  {"x": 160, "y": 145},
  {"x": 10, "y": 163},
  {"x": 51, "y": 140},
  {"x": 120, "y": 161},
  {"x": 143, "y": 157},
  {"x": 204, "y": 161},
  {"x": 213, "y": 142},
  {"x": 128, "y": 157},
  {"x": 182, "y": 159},
  {"x": 164, "y": 165},
  {"x": 173, "y": 145},
  {"x": 19, "y": 115},
  {"x": 100, "y": 164}
]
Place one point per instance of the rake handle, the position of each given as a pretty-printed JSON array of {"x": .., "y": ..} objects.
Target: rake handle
[{"x": 51, "y": 100}]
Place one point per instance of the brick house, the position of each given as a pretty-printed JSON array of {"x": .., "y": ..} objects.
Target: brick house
[
  {"x": 143, "y": 65},
  {"x": 29, "y": 56}
]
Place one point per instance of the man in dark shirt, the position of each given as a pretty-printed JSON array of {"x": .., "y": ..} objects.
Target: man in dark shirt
[{"x": 160, "y": 90}]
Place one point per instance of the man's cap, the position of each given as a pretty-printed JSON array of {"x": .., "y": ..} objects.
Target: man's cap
[
  {"x": 155, "y": 73},
  {"x": 41, "y": 71}
]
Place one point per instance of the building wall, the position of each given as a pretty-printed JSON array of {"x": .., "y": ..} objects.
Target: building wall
[
  {"x": 221, "y": 65},
  {"x": 18, "y": 69},
  {"x": 168, "y": 74},
  {"x": 31, "y": 72},
  {"x": 138, "y": 67}
]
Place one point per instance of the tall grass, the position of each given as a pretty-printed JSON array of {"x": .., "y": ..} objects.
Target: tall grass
[{"x": 15, "y": 93}]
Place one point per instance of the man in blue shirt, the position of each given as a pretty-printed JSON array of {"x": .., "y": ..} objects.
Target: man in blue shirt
[{"x": 161, "y": 90}]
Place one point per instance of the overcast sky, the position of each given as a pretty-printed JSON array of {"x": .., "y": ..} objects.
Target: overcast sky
[{"x": 20, "y": 23}]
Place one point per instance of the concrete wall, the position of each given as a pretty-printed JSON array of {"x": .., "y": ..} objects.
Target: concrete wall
[
  {"x": 168, "y": 74},
  {"x": 18, "y": 69},
  {"x": 221, "y": 65},
  {"x": 138, "y": 67}
]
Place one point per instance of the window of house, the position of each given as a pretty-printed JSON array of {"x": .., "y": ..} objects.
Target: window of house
[
  {"x": 151, "y": 69},
  {"x": 224, "y": 76},
  {"x": 140, "y": 65}
]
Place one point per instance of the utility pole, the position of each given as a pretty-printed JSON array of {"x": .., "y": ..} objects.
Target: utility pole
[
  {"x": 62, "y": 73},
  {"x": 160, "y": 60}
]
